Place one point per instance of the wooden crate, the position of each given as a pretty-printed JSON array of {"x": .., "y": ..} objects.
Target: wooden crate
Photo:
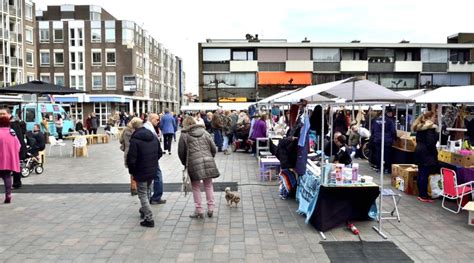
[
  {"x": 445, "y": 156},
  {"x": 462, "y": 160}
]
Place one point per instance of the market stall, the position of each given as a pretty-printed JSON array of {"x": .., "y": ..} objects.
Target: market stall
[{"x": 352, "y": 91}]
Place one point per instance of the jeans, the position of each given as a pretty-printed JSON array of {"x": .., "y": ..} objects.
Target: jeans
[
  {"x": 167, "y": 141},
  {"x": 209, "y": 188},
  {"x": 142, "y": 189},
  {"x": 422, "y": 180},
  {"x": 7, "y": 179},
  {"x": 218, "y": 139},
  {"x": 157, "y": 185},
  {"x": 225, "y": 144}
]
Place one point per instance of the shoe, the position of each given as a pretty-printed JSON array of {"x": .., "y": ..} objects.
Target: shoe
[
  {"x": 196, "y": 215},
  {"x": 8, "y": 199},
  {"x": 159, "y": 202},
  {"x": 147, "y": 223},
  {"x": 425, "y": 200},
  {"x": 209, "y": 213}
]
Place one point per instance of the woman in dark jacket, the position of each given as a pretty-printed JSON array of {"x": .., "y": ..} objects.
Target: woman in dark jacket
[
  {"x": 196, "y": 150},
  {"x": 426, "y": 154},
  {"x": 343, "y": 154},
  {"x": 142, "y": 161}
]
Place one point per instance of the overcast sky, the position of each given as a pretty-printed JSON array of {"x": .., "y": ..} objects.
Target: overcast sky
[{"x": 180, "y": 25}]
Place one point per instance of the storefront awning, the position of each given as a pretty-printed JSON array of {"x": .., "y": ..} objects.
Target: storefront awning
[{"x": 284, "y": 78}]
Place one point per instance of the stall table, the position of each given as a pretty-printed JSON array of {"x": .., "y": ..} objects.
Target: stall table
[
  {"x": 338, "y": 204},
  {"x": 402, "y": 156}
]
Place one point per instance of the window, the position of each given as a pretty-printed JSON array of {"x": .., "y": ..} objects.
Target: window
[
  {"x": 242, "y": 55},
  {"x": 217, "y": 54},
  {"x": 58, "y": 35},
  {"x": 29, "y": 58},
  {"x": 73, "y": 61},
  {"x": 95, "y": 16},
  {"x": 44, "y": 56},
  {"x": 80, "y": 81},
  {"x": 58, "y": 57},
  {"x": 326, "y": 55},
  {"x": 109, "y": 31},
  {"x": 29, "y": 12},
  {"x": 30, "y": 115},
  {"x": 81, "y": 60},
  {"x": 77, "y": 60},
  {"x": 73, "y": 82},
  {"x": 30, "y": 78},
  {"x": 111, "y": 81},
  {"x": 110, "y": 57},
  {"x": 432, "y": 55},
  {"x": 44, "y": 35},
  {"x": 59, "y": 80},
  {"x": 76, "y": 37},
  {"x": 96, "y": 57},
  {"x": 96, "y": 34},
  {"x": 97, "y": 81},
  {"x": 29, "y": 35},
  {"x": 45, "y": 78}
]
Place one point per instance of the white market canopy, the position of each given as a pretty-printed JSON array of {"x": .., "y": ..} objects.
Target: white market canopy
[
  {"x": 350, "y": 89},
  {"x": 413, "y": 93},
  {"x": 275, "y": 96},
  {"x": 456, "y": 94},
  {"x": 211, "y": 106}
]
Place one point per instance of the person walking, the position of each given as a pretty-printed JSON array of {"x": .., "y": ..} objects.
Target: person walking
[
  {"x": 227, "y": 132},
  {"x": 156, "y": 199},
  {"x": 142, "y": 161},
  {"x": 167, "y": 127},
  {"x": 59, "y": 126},
  {"x": 125, "y": 145},
  {"x": 196, "y": 150},
  {"x": 217, "y": 123},
  {"x": 259, "y": 131},
  {"x": 426, "y": 154},
  {"x": 45, "y": 126},
  {"x": 94, "y": 124},
  {"x": 9, "y": 156}
]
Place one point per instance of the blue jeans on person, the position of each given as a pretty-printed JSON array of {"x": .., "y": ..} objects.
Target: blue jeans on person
[
  {"x": 218, "y": 139},
  {"x": 157, "y": 185}
]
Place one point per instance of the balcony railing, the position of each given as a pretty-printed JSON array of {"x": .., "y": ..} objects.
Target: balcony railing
[{"x": 14, "y": 62}]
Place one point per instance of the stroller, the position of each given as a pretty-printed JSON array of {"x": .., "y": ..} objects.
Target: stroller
[{"x": 30, "y": 164}]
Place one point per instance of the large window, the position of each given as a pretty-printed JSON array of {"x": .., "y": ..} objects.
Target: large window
[
  {"x": 395, "y": 81},
  {"x": 44, "y": 35},
  {"x": 29, "y": 35},
  {"x": 76, "y": 37},
  {"x": 96, "y": 80},
  {"x": 96, "y": 57},
  {"x": 109, "y": 31},
  {"x": 110, "y": 54},
  {"x": 353, "y": 54},
  {"x": 326, "y": 55},
  {"x": 381, "y": 55},
  {"x": 111, "y": 81},
  {"x": 58, "y": 57},
  {"x": 28, "y": 12},
  {"x": 216, "y": 54},
  {"x": 438, "y": 80},
  {"x": 234, "y": 80},
  {"x": 45, "y": 78},
  {"x": 434, "y": 55},
  {"x": 44, "y": 58},
  {"x": 58, "y": 31},
  {"x": 242, "y": 55},
  {"x": 77, "y": 60},
  {"x": 96, "y": 31},
  {"x": 459, "y": 55},
  {"x": 95, "y": 16},
  {"x": 59, "y": 79}
]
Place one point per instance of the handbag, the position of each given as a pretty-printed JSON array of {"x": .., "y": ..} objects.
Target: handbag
[{"x": 186, "y": 186}]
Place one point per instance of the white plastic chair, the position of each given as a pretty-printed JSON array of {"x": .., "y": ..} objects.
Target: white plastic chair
[
  {"x": 54, "y": 143},
  {"x": 78, "y": 143}
]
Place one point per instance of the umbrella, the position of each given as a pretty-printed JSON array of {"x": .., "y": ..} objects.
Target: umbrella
[{"x": 40, "y": 88}]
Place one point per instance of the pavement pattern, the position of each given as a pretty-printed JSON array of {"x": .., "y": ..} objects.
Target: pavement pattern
[{"x": 104, "y": 227}]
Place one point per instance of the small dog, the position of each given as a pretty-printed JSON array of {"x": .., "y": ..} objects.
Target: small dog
[{"x": 231, "y": 197}]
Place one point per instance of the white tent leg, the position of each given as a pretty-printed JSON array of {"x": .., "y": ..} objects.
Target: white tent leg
[
  {"x": 406, "y": 117},
  {"x": 379, "y": 228}
]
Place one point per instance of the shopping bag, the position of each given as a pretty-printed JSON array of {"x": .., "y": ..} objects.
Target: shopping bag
[
  {"x": 186, "y": 186},
  {"x": 435, "y": 186}
]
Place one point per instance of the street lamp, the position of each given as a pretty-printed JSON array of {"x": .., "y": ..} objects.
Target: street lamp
[{"x": 216, "y": 82}]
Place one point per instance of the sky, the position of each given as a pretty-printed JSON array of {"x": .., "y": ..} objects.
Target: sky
[{"x": 181, "y": 25}]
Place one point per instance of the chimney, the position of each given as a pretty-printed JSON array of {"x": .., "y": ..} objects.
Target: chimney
[
  {"x": 306, "y": 40},
  {"x": 355, "y": 41}
]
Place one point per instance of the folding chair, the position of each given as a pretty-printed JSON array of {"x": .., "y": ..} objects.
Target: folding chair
[
  {"x": 452, "y": 190},
  {"x": 396, "y": 199}
]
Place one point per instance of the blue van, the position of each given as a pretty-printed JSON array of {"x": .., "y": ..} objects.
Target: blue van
[{"x": 33, "y": 113}]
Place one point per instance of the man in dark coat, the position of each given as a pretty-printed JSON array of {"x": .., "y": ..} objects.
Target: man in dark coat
[
  {"x": 390, "y": 136},
  {"x": 142, "y": 161},
  {"x": 17, "y": 127}
]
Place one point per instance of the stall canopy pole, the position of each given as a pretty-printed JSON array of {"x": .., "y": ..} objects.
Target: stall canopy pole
[
  {"x": 322, "y": 143},
  {"x": 440, "y": 123},
  {"x": 353, "y": 99},
  {"x": 406, "y": 118},
  {"x": 379, "y": 228}
]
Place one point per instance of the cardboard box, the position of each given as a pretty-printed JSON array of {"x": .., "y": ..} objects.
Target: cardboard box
[
  {"x": 445, "y": 156},
  {"x": 407, "y": 172},
  {"x": 462, "y": 160},
  {"x": 470, "y": 207}
]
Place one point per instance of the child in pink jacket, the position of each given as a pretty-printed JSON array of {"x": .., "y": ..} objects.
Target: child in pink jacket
[{"x": 9, "y": 157}]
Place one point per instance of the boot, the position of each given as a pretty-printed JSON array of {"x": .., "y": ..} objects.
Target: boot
[
  {"x": 147, "y": 223},
  {"x": 8, "y": 199}
]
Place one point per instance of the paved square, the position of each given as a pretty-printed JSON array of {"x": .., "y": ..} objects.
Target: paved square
[{"x": 104, "y": 227}]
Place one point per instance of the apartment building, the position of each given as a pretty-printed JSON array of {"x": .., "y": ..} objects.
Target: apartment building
[
  {"x": 118, "y": 64},
  {"x": 252, "y": 69},
  {"x": 16, "y": 41}
]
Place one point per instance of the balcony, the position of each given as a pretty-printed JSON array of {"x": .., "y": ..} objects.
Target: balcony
[
  {"x": 381, "y": 66},
  {"x": 355, "y": 65},
  {"x": 214, "y": 67},
  {"x": 435, "y": 67},
  {"x": 325, "y": 67},
  {"x": 299, "y": 66},
  {"x": 458, "y": 66},
  {"x": 408, "y": 66},
  {"x": 244, "y": 66}
]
